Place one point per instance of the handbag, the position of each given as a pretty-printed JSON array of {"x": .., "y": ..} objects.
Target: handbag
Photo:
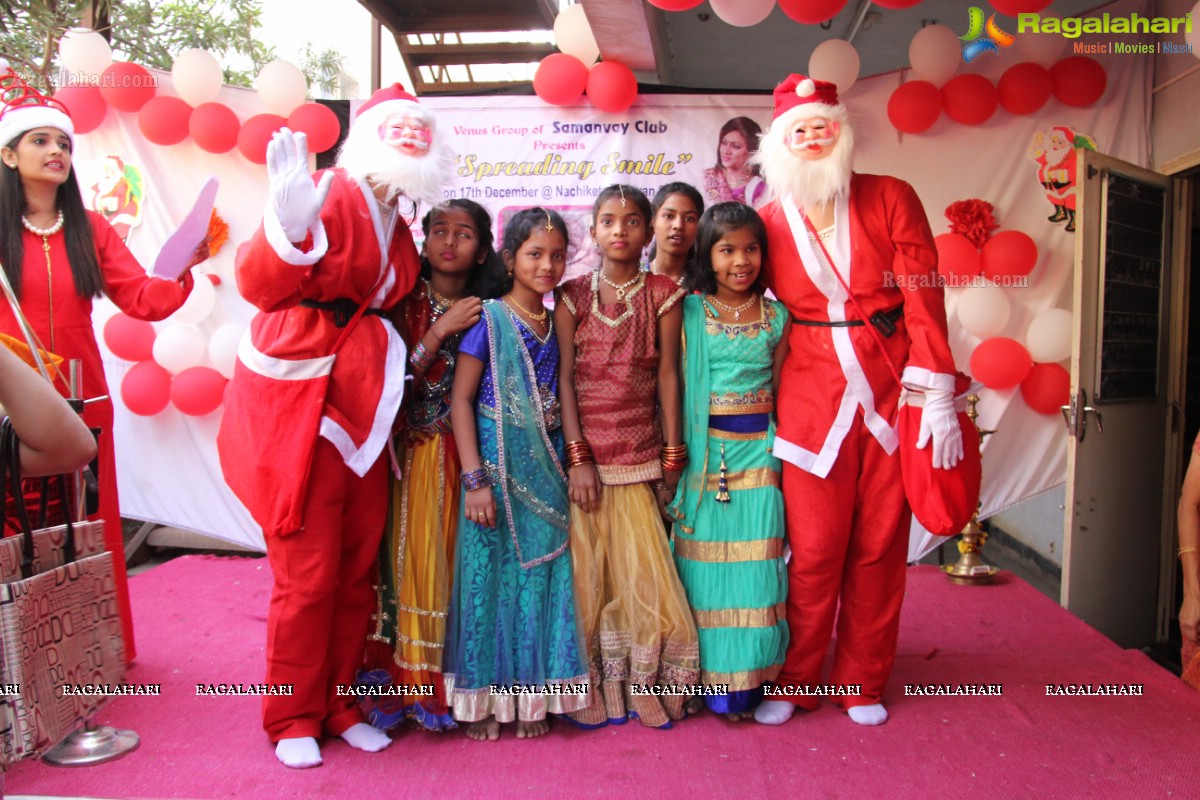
[
  {"x": 59, "y": 624},
  {"x": 942, "y": 500}
]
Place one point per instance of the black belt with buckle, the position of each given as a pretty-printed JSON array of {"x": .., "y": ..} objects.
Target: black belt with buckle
[
  {"x": 884, "y": 321},
  {"x": 343, "y": 309}
]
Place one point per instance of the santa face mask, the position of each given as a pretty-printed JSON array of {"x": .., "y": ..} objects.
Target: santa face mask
[
  {"x": 814, "y": 138},
  {"x": 407, "y": 133}
]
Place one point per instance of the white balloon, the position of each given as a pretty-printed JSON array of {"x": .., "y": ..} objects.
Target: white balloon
[
  {"x": 742, "y": 13},
  {"x": 223, "y": 347},
  {"x": 1193, "y": 37},
  {"x": 178, "y": 347},
  {"x": 983, "y": 311},
  {"x": 573, "y": 35},
  {"x": 199, "y": 303},
  {"x": 935, "y": 54},
  {"x": 281, "y": 86},
  {"x": 836, "y": 61},
  {"x": 83, "y": 51},
  {"x": 197, "y": 76},
  {"x": 1042, "y": 48},
  {"x": 1048, "y": 337}
]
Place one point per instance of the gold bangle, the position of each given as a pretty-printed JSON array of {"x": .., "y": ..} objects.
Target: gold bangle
[{"x": 1183, "y": 550}]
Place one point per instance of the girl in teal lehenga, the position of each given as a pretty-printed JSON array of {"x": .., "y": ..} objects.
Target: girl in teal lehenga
[{"x": 729, "y": 534}]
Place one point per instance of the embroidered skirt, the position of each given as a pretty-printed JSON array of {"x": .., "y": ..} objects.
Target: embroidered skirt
[
  {"x": 730, "y": 561},
  {"x": 513, "y": 644},
  {"x": 635, "y": 617},
  {"x": 416, "y": 574}
]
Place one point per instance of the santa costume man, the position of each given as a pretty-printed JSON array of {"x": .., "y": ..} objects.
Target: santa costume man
[
  {"x": 847, "y": 517},
  {"x": 316, "y": 388}
]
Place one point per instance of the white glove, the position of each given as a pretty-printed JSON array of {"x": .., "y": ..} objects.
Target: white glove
[
  {"x": 940, "y": 421},
  {"x": 295, "y": 201}
]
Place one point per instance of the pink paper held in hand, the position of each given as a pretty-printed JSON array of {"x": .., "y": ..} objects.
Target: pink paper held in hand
[{"x": 176, "y": 254}]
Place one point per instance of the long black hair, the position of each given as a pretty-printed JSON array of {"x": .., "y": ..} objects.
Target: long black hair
[
  {"x": 77, "y": 228},
  {"x": 520, "y": 226},
  {"x": 750, "y": 131},
  {"x": 716, "y": 222},
  {"x": 660, "y": 197},
  {"x": 486, "y": 279}
]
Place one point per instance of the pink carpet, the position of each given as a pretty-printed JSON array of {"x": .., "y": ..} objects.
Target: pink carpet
[{"x": 202, "y": 620}]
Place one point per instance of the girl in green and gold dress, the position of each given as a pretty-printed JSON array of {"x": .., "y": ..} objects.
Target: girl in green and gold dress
[{"x": 730, "y": 533}]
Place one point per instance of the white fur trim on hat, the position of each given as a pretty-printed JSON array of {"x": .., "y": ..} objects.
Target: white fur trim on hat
[
  {"x": 804, "y": 111},
  {"x": 19, "y": 119},
  {"x": 376, "y": 114}
]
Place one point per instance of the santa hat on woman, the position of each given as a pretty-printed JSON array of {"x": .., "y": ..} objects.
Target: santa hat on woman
[{"x": 25, "y": 108}]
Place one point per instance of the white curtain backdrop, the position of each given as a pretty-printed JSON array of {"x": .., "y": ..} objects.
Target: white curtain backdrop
[{"x": 517, "y": 151}]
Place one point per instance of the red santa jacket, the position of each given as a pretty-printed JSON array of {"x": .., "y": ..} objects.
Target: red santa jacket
[
  {"x": 883, "y": 247},
  {"x": 289, "y": 386}
]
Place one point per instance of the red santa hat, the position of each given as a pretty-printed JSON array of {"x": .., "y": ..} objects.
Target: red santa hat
[
  {"x": 1067, "y": 133},
  {"x": 800, "y": 97},
  {"x": 26, "y": 108},
  {"x": 390, "y": 100}
]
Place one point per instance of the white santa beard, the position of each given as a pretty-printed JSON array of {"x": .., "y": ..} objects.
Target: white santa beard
[
  {"x": 810, "y": 183},
  {"x": 1057, "y": 156},
  {"x": 365, "y": 156}
]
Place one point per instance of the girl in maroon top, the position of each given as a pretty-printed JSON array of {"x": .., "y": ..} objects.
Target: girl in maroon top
[{"x": 619, "y": 332}]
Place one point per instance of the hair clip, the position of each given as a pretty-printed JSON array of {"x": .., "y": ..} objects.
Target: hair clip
[
  {"x": 621, "y": 189},
  {"x": 549, "y": 223}
]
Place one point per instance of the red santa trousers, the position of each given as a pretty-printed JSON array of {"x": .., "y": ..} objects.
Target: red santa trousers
[
  {"x": 322, "y": 598},
  {"x": 849, "y": 538}
]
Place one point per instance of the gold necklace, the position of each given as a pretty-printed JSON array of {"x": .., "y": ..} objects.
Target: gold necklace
[
  {"x": 735, "y": 311},
  {"x": 441, "y": 302},
  {"x": 538, "y": 318},
  {"x": 620, "y": 288}
]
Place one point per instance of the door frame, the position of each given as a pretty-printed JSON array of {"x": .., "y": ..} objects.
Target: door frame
[{"x": 1184, "y": 177}]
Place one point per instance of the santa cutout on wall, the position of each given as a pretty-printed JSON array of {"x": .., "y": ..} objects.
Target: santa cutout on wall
[{"x": 1054, "y": 153}]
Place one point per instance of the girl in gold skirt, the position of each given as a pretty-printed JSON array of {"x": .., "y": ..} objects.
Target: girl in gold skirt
[{"x": 618, "y": 330}]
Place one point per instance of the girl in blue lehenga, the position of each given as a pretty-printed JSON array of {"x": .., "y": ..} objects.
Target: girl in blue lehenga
[{"x": 512, "y": 640}]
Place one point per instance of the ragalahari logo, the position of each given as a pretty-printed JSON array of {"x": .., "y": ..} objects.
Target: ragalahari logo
[{"x": 981, "y": 38}]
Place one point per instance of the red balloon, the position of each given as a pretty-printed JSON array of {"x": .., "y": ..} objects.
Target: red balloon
[
  {"x": 1008, "y": 254},
  {"x": 146, "y": 389},
  {"x": 255, "y": 133},
  {"x": 164, "y": 120},
  {"x": 1079, "y": 81},
  {"x": 1000, "y": 363},
  {"x": 957, "y": 257},
  {"x": 86, "y": 105},
  {"x": 1011, "y": 8},
  {"x": 675, "y": 5},
  {"x": 198, "y": 391},
  {"x": 611, "y": 86},
  {"x": 319, "y": 122},
  {"x": 129, "y": 338},
  {"x": 214, "y": 127},
  {"x": 127, "y": 86},
  {"x": 915, "y": 106},
  {"x": 811, "y": 12},
  {"x": 1047, "y": 388},
  {"x": 1024, "y": 88},
  {"x": 894, "y": 4},
  {"x": 969, "y": 99},
  {"x": 560, "y": 79}
]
